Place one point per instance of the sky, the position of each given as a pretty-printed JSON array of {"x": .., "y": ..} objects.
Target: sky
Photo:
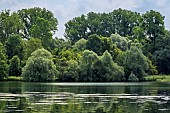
[{"x": 65, "y": 10}]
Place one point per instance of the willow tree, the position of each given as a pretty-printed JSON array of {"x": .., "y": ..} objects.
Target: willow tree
[
  {"x": 39, "y": 67},
  {"x": 107, "y": 70},
  {"x": 134, "y": 62}
]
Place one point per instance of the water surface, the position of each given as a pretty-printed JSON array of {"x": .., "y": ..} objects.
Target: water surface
[{"x": 22, "y": 97}]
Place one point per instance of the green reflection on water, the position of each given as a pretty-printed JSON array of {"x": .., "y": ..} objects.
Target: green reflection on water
[{"x": 17, "y": 97}]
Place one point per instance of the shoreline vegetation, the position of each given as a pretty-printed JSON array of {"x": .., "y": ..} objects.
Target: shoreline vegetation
[
  {"x": 119, "y": 46},
  {"x": 150, "y": 78},
  {"x": 158, "y": 78}
]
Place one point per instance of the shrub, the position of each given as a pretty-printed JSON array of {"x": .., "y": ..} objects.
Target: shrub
[
  {"x": 133, "y": 60},
  {"x": 39, "y": 67},
  {"x": 14, "y": 66},
  {"x": 133, "y": 78}
]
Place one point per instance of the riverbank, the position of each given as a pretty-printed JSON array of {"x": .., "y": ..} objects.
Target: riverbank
[
  {"x": 13, "y": 78},
  {"x": 158, "y": 78}
]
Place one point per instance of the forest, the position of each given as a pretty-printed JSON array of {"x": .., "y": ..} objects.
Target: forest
[{"x": 121, "y": 45}]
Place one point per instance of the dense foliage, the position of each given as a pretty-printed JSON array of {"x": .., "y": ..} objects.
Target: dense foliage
[
  {"x": 39, "y": 67},
  {"x": 15, "y": 66},
  {"x": 118, "y": 46},
  {"x": 134, "y": 62},
  {"x": 3, "y": 63}
]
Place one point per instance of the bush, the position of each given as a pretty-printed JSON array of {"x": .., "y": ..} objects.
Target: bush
[
  {"x": 14, "y": 66},
  {"x": 87, "y": 66},
  {"x": 133, "y": 78},
  {"x": 99, "y": 68},
  {"x": 70, "y": 73},
  {"x": 39, "y": 67},
  {"x": 81, "y": 44},
  {"x": 13, "y": 78},
  {"x": 110, "y": 70},
  {"x": 134, "y": 61}
]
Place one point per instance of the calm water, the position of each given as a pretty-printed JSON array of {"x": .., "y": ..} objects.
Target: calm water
[{"x": 21, "y": 97}]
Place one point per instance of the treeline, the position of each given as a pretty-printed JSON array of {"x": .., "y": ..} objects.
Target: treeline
[{"x": 118, "y": 46}]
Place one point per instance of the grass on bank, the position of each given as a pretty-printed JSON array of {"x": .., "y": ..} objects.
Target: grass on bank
[
  {"x": 13, "y": 78},
  {"x": 158, "y": 78}
]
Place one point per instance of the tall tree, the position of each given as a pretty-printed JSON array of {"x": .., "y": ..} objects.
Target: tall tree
[
  {"x": 94, "y": 43},
  {"x": 32, "y": 16},
  {"x": 153, "y": 25},
  {"x": 93, "y": 23},
  {"x": 32, "y": 45},
  {"x": 3, "y": 63},
  {"x": 41, "y": 30},
  {"x": 10, "y": 23},
  {"x": 16, "y": 43},
  {"x": 123, "y": 21},
  {"x": 76, "y": 28},
  {"x": 103, "y": 24},
  {"x": 163, "y": 54}
]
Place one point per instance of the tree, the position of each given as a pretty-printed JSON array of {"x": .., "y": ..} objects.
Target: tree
[
  {"x": 99, "y": 68},
  {"x": 134, "y": 62},
  {"x": 103, "y": 24},
  {"x": 93, "y": 23},
  {"x": 107, "y": 70},
  {"x": 3, "y": 63},
  {"x": 76, "y": 29},
  {"x": 32, "y": 45},
  {"x": 81, "y": 44},
  {"x": 32, "y": 16},
  {"x": 99, "y": 45},
  {"x": 162, "y": 54},
  {"x": 71, "y": 72},
  {"x": 153, "y": 28},
  {"x": 87, "y": 66},
  {"x": 66, "y": 62},
  {"x": 153, "y": 25},
  {"x": 16, "y": 43},
  {"x": 10, "y": 23},
  {"x": 94, "y": 43},
  {"x": 39, "y": 67},
  {"x": 133, "y": 78},
  {"x": 121, "y": 42},
  {"x": 41, "y": 30},
  {"x": 59, "y": 45},
  {"x": 15, "y": 66},
  {"x": 123, "y": 21}
]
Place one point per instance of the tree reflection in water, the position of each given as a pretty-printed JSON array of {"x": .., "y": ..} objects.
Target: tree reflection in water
[
  {"x": 20, "y": 97},
  {"x": 69, "y": 103}
]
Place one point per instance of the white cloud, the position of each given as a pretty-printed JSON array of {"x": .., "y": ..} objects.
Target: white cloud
[
  {"x": 161, "y": 3},
  {"x": 109, "y": 5}
]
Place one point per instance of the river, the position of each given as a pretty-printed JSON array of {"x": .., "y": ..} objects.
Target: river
[{"x": 145, "y": 97}]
